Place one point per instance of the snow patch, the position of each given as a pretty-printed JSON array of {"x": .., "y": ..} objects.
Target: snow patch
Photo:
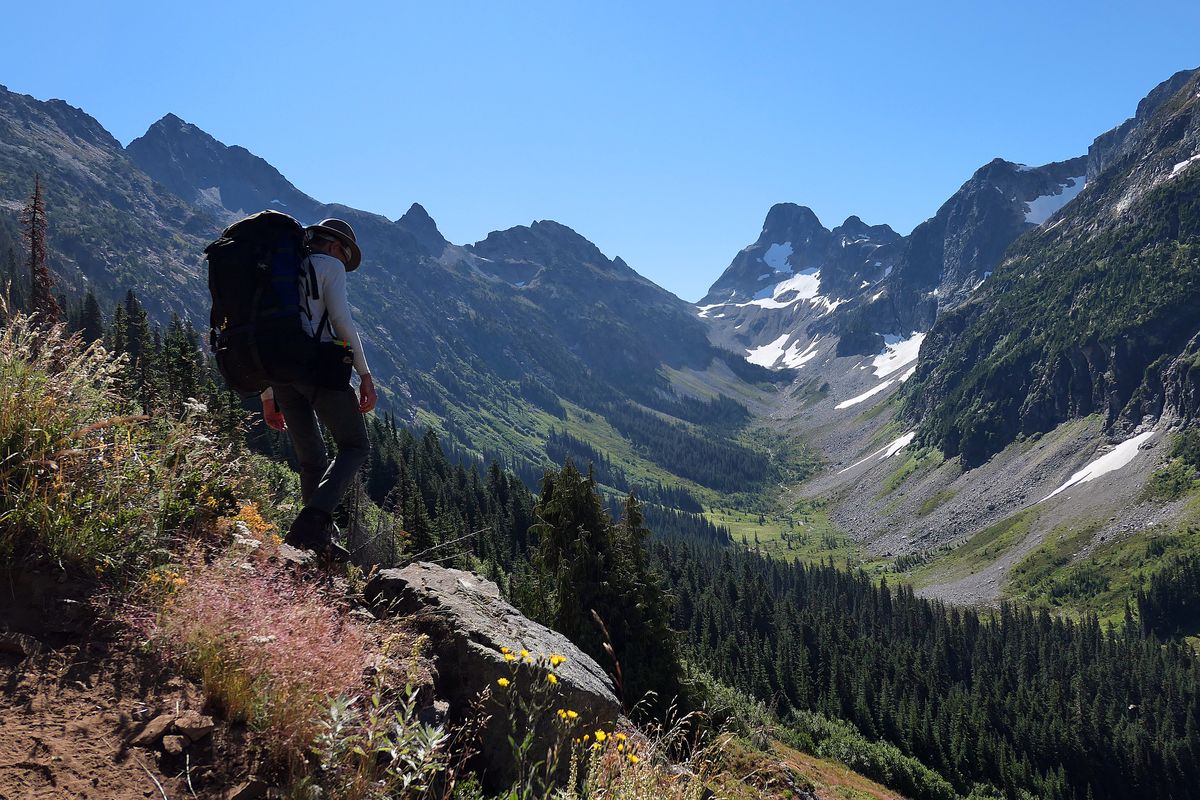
[
  {"x": 702, "y": 311},
  {"x": 898, "y": 445},
  {"x": 768, "y": 354},
  {"x": 807, "y": 285},
  {"x": 1044, "y": 207},
  {"x": 796, "y": 359},
  {"x": 886, "y": 452},
  {"x": 853, "y": 401},
  {"x": 777, "y": 256},
  {"x": 1182, "y": 165},
  {"x": 897, "y": 353},
  {"x": 1111, "y": 461}
]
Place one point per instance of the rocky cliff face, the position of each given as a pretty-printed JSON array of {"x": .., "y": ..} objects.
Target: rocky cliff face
[
  {"x": 861, "y": 286},
  {"x": 1087, "y": 312}
]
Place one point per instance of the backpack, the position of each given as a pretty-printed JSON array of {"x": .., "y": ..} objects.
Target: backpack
[{"x": 254, "y": 273}]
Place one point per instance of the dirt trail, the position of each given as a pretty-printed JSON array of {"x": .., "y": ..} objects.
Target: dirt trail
[{"x": 67, "y": 715}]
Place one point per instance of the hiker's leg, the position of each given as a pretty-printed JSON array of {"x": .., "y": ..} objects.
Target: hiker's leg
[
  {"x": 306, "y": 438},
  {"x": 338, "y": 412}
]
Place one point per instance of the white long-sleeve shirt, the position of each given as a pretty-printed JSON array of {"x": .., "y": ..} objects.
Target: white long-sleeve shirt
[{"x": 331, "y": 296}]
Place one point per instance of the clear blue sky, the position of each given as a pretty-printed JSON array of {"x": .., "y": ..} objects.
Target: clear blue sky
[{"x": 661, "y": 131}]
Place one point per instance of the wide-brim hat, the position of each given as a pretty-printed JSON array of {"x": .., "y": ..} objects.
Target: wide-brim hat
[{"x": 340, "y": 229}]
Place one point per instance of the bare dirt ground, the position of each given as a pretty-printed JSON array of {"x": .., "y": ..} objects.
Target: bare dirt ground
[{"x": 68, "y": 712}]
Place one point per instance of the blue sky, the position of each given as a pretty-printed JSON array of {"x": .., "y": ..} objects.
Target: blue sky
[{"x": 662, "y": 131}]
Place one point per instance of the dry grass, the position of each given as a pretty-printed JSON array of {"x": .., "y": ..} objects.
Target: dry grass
[{"x": 269, "y": 650}]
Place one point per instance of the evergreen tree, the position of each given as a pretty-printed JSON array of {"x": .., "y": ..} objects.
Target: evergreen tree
[{"x": 91, "y": 318}]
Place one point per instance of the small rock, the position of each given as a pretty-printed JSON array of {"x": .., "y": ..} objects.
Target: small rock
[
  {"x": 292, "y": 555},
  {"x": 194, "y": 726},
  {"x": 153, "y": 730},
  {"x": 174, "y": 744},
  {"x": 253, "y": 789},
  {"x": 19, "y": 644}
]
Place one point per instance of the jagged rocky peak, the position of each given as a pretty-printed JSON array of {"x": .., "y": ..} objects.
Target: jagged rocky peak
[
  {"x": 1113, "y": 145},
  {"x": 542, "y": 244},
  {"x": 854, "y": 230},
  {"x": 792, "y": 240},
  {"x": 423, "y": 228},
  {"x": 227, "y": 180}
]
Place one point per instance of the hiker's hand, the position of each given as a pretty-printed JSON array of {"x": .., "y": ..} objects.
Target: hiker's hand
[
  {"x": 273, "y": 416},
  {"x": 366, "y": 394}
]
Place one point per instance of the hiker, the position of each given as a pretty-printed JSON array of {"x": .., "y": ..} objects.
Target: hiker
[{"x": 296, "y": 407}]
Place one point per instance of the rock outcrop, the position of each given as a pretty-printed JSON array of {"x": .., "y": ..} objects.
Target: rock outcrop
[{"x": 468, "y": 624}]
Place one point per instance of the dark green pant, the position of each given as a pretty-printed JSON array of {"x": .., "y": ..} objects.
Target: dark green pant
[{"x": 322, "y": 482}]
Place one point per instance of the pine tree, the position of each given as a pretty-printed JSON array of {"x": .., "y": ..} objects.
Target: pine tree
[
  {"x": 91, "y": 318},
  {"x": 33, "y": 217}
]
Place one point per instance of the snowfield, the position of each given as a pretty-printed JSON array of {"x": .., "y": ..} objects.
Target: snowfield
[
  {"x": 777, "y": 256},
  {"x": 898, "y": 352},
  {"x": 776, "y": 355},
  {"x": 1120, "y": 456},
  {"x": 1044, "y": 207}
]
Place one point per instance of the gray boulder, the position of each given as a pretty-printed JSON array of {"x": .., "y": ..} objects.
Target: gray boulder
[{"x": 468, "y": 623}]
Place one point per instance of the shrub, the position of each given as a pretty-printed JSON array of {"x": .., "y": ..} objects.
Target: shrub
[
  {"x": 374, "y": 750},
  {"x": 83, "y": 483}
]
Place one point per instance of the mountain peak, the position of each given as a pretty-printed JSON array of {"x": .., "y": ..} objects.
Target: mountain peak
[
  {"x": 790, "y": 215},
  {"x": 230, "y": 181},
  {"x": 423, "y": 228}
]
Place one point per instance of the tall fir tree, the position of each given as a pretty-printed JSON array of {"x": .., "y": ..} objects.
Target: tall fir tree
[
  {"x": 33, "y": 218},
  {"x": 91, "y": 318}
]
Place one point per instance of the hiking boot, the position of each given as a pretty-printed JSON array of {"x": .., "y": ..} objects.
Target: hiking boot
[
  {"x": 332, "y": 550},
  {"x": 309, "y": 530}
]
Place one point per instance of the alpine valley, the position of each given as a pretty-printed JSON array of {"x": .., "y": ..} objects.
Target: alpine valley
[{"x": 998, "y": 406}]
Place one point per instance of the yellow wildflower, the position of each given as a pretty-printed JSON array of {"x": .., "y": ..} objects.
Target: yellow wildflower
[
  {"x": 619, "y": 736},
  {"x": 601, "y": 736},
  {"x": 596, "y": 746},
  {"x": 509, "y": 657},
  {"x": 504, "y": 650},
  {"x": 633, "y": 759},
  {"x": 556, "y": 659},
  {"x": 155, "y": 578},
  {"x": 524, "y": 654},
  {"x": 620, "y": 748},
  {"x": 504, "y": 682},
  {"x": 573, "y": 714},
  {"x": 552, "y": 678}
]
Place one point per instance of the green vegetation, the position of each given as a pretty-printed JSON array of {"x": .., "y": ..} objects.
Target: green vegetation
[
  {"x": 980, "y": 551},
  {"x": 936, "y": 501},
  {"x": 1179, "y": 475},
  {"x": 1064, "y": 294},
  {"x": 922, "y": 461},
  {"x": 1042, "y": 578},
  {"x": 972, "y": 697}
]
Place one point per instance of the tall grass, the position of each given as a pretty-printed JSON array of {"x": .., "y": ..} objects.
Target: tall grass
[
  {"x": 84, "y": 482},
  {"x": 269, "y": 650}
]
